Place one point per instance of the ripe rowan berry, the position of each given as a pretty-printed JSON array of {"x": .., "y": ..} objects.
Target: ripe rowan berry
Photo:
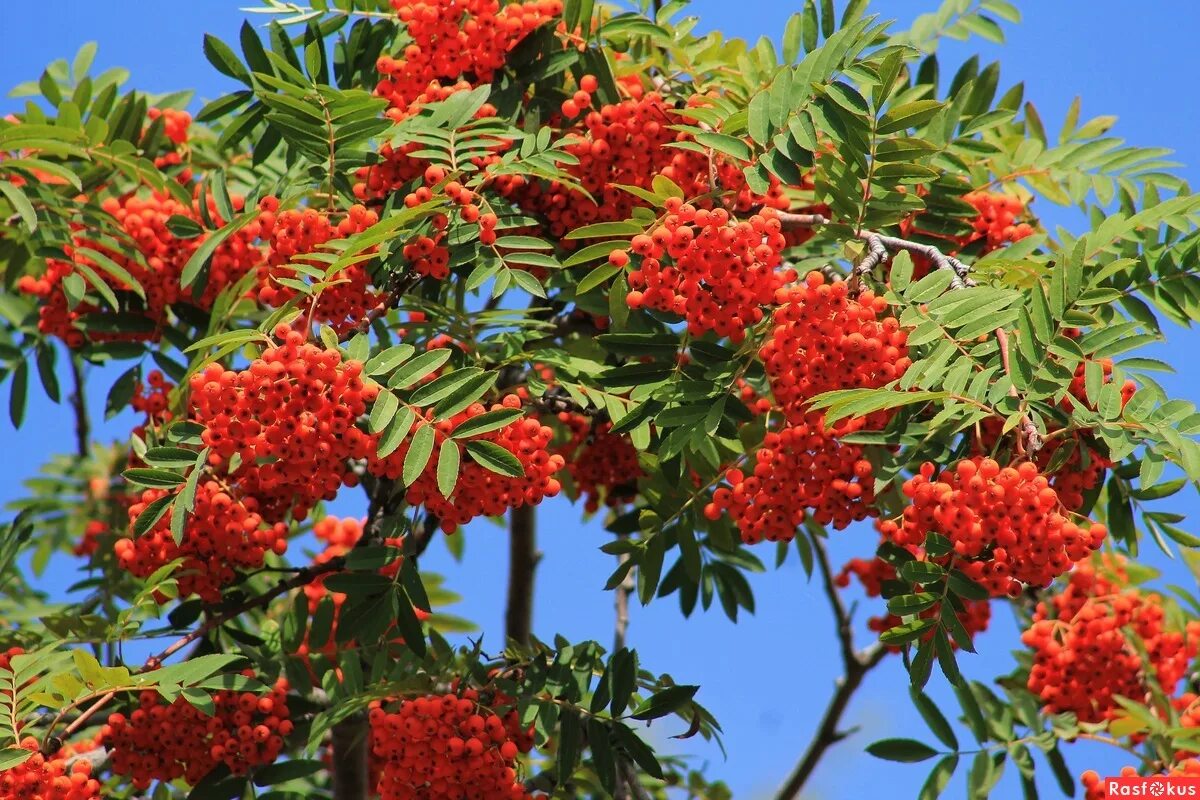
[{"x": 42, "y": 778}]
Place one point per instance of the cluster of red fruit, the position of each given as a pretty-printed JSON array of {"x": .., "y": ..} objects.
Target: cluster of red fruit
[
  {"x": 42, "y": 778},
  {"x": 824, "y": 339},
  {"x": 602, "y": 464},
  {"x": 714, "y": 271},
  {"x": 1082, "y": 655},
  {"x": 224, "y": 533},
  {"x": 157, "y": 267},
  {"x": 450, "y": 40},
  {"x": 166, "y": 741},
  {"x": 1007, "y": 524},
  {"x": 480, "y": 491},
  {"x": 292, "y": 233},
  {"x": 447, "y": 747},
  {"x": 289, "y": 418},
  {"x": 997, "y": 223},
  {"x": 873, "y": 573}
]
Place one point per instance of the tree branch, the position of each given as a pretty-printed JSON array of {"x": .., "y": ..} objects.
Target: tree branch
[
  {"x": 621, "y": 603},
  {"x": 351, "y": 743},
  {"x": 857, "y": 663},
  {"x": 523, "y": 558},
  {"x": 83, "y": 425}
]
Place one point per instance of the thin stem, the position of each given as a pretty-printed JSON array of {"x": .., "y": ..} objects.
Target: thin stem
[
  {"x": 83, "y": 424},
  {"x": 857, "y": 664},
  {"x": 1030, "y": 441},
  {"x": 621, "y": 603},
  {"x": 523, "y": 558}
]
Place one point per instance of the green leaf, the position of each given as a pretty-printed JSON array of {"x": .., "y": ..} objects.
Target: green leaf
[
  {"x": 191, "y": 270},
  {"x": 396, "y": 431},
  {"x": 151, "y": 514},
  {"x": 447, "y": 467},
  {"x": 934, "y": 718},
  {"x": 13, "y": 757},
  {"x": 221, "y": 56},
  {"x": 21, "y": 204},
  {"x": 418, "y": 368},
  {"x": 487, "y": 422},
  {"x": 908, "y": 751},
  {"x": 597, "y": 277},
  {"x": 492, "y": 456},
  {"x": 908, "y": 115},
  {"x": 419, "y": 451},
  {"x": 623, "y": 230},
  {"x": 383, "y": 410},
  {"x": 664, "y": 702},
  {"x": 155, "y": 478},
  {"x": 283, "y": 771}
]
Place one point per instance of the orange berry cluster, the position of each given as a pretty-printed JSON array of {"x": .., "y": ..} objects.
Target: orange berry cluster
[
  {"x": 702, "y": 265},
  {"x": 42, "y": 778},
  {"x": 1082, "y": 657},
  {"x": 798, "y": 468},
  {"x": 292, "y": 233},
  {"x": 1007, "y": 524},
  {"x": 158, "y": 270},
  {"x": 290, "y": 416},
  {"x": 873, "y": 573},
  {"x": 224, "y": 533},
  {"x": 997, "y": 222},
  {"x": 582, "y": 98},
  {"x": 479, "y": 491},
  {"x": 603, "y": 465},
  {"x": 449, "y": 40},
  {"x": 824, "y": 340},
  {"x": 447, "y": 747},
  {"x": 167, "y": 741}
]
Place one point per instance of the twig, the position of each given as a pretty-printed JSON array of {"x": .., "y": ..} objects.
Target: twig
[
  {"x": 1030, "y": 441},
  {"x": 857, "y": 664},
  {"x": 403, "y": 285},
  {"x": 83, "y": 425},
  {"x": 523, "y": 558},
  {"x": 621, "y": 603}
]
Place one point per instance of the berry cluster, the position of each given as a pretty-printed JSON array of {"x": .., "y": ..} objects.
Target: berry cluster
[
  {"x": 447, "y": 747},
  {"x": 290, "y": 418},
  {"x": 42, "y": 778},
  {"x": 798, "y": 468},
  {"x": 603, "y": 465},
  {"x": 1007, "y": 524},
  {"x": 157, "y": 268},
  {"x": 224, "y": 533},
  {"x": 824, "y": 340},
  {"x": 997, "y": 223},
  {"x": 290, "y": 235},
  {"x": 449, "y": 40},
  {"x": 479, "y": 491},
  {"x": 1082, "y": 656},
  {"x": 167, "y": 741},
  {"x": 702, "y": 265},
  {"x": 875, "y": 573}
]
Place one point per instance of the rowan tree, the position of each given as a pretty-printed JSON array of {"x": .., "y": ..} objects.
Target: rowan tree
[{"x": 457, "y": 258}]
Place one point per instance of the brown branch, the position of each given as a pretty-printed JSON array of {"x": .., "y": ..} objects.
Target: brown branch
[
  {"x": 857, "y": 663},
  {"x": 523, "y": 558},
  {"x": 621, "y": 603},
  {"x": 1030, "y": 441},
  {"x": 351, "y": 751},
  {"x": 83, "y": 425},
  {"x": 403, "y": 285}
]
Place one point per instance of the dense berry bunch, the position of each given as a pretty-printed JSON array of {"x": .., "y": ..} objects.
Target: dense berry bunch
[
  {"x": 824, "y": 340},
  {"x": 479, "y": 491},
  {"x": 997, "y": 223},
  {"x": 874, "y": 573},
  {"x": 603, "y": 465},
  {"x": 157, "y": 269},
  {"x": 449, "y": 40},
  {"x": 166, "y": 741},
  {"x": 1082, "y": 656},
  {"x": 702, "y": 265},
  {"x": 224, "y": 533},
  {"x": 1007, "y": 524},
  {"x": 290, "y": 418},
  {"x": 798, "y": 468},
  {"x": 295, "y": 232},
  {"x": 42, "y": 778},
  {"x": 447, "y": 747}
]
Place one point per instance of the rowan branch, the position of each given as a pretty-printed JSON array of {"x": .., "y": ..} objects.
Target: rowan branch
[
  {"x": 1030, "y": 441},
  {"x": 857, "y": 663},
  {"x": 83, "y": 425},
  {"x": 523, "y": 559},
  {"x": 350, "y": 740}
]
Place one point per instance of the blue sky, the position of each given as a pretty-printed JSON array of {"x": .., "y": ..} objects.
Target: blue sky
[{"x": 765, "y": 678}]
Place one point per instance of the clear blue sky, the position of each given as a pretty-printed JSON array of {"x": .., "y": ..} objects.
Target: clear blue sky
[{"x": 767, "y": 677}]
